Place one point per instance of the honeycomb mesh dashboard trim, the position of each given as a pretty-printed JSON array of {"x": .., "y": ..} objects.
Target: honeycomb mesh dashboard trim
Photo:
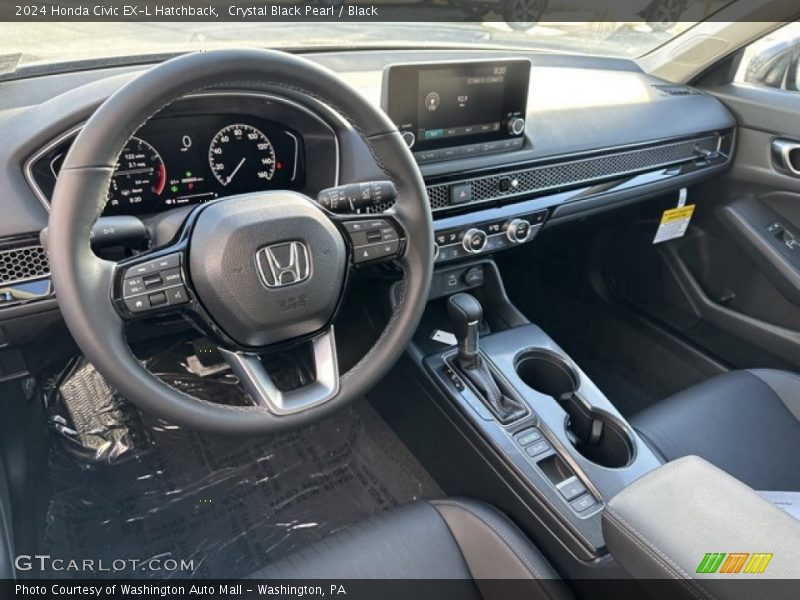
[
  {"x": 21, "y": 262},
  {"x": 570, "y": 173},
  {"x": 574, "y": 172}
]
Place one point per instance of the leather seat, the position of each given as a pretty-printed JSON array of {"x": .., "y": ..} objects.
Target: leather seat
[
  {"x": 745, "y": 422},
  {"x": 447, "y": 539}
]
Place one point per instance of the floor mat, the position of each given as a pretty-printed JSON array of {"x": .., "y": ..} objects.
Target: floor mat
[{"x": 229, "y": 505}]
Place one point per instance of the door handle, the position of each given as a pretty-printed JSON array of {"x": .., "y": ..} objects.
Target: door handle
[{"x": 786, "y": 156}]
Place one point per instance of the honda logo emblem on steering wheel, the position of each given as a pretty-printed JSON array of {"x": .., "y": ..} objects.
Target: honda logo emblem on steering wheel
[{"x": 283, "y": 264}]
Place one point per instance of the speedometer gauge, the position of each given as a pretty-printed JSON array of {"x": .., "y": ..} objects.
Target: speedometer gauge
[
  {"x": 139, "y": 176},
  {"x": 241, "y": 155}
]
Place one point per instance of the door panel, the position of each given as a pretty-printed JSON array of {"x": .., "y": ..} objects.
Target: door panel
[{"x": 732, "y": 283}]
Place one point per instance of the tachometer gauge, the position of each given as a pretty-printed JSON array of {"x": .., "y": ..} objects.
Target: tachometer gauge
[
  {"x": 139, "y": 177},
  {"x": 241, "y": 155}
]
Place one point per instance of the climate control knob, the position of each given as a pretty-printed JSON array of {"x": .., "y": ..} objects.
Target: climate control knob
[
  {"x": 518, "y": 230},
  {"x": 516, "y": 126},
  {"x": 474, "y": 241}
]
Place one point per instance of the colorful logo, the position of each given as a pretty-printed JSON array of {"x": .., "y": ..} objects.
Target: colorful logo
[{"x": 734, "y": 562}]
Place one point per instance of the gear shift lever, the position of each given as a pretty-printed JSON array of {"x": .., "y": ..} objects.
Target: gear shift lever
[{"x": 465, "y": 315}]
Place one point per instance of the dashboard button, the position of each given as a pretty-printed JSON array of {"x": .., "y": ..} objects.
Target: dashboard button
[
  {"x": 528, "y": 436},
  {"x": 474, "y": 240},
  {"x": 518, "y": 230},
  {"x": 474, "y": 276},
  {"x": 572, "y": 489},
  {"x": 460, "y": 193},
  {"x": 537, "y": 448},
  {"x": 450, "y": 153},
  {"x": 583, "y": 503},
  {"x": 516, "y": 126}
]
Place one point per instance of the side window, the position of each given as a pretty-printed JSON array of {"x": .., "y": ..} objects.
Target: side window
[{"x": 774, "y": 60}]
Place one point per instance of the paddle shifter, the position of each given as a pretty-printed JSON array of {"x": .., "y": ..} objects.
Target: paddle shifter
[{"x": 465, "y": 315}]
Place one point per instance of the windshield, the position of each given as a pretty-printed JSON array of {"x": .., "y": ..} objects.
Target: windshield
[{"x": 50, "y": 43}]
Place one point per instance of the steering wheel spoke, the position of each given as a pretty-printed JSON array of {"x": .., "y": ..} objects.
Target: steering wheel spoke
[
  {"x": 373, "y": 238},
  {"x": 153, "y": 283},
  {"x": 262, "y": 389}
]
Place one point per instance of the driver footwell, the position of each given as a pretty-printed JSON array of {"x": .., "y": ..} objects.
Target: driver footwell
[{"x": 128, "y": 487}]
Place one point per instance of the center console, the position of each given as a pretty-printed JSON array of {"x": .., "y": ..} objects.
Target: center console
[{"x": 531, "y": 405}]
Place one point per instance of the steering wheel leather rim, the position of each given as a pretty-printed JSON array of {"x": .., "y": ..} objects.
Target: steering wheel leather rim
[{"x": 83, "y": 282}]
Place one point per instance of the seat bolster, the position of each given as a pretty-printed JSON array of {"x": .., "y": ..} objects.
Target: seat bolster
[
  {"x": 786, "y": 386},
  {"x": 407, "y": 542},
  {"x": 495, "y": 549}
]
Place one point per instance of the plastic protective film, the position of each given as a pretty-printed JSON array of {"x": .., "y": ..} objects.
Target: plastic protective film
[{"x": 128, "y": 486}]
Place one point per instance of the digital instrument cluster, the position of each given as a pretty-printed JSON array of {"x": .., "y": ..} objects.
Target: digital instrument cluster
[{"x": 189, "y": 159}]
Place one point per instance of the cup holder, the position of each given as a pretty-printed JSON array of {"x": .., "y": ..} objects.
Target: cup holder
[
  {"x": 547, "y": 373},
  {"x": 596, "y": 435}
]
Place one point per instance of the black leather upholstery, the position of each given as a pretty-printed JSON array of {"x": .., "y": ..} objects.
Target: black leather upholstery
[
  {"x": 745, "y": 422},
  {"x": 442, "y": 539}
]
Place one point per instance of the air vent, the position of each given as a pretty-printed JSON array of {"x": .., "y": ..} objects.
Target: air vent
[
  {"x": 22, "y": 262},
  {"x": 677, "y": 90}
]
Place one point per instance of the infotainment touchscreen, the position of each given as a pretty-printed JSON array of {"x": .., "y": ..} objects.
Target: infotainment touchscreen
[{"x": 447, "y": 110}]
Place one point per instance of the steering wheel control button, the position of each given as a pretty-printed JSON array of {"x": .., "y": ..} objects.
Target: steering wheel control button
[
  {"x": 461, "y": 193},
  {"x": 172, "y": 277},
  {"x": 365, "y": 254},
  {"x": 132, "y": 287},
  {"x": 152, "y": 281},
  {"x": 354, "y": 197},
  {"x": 157, "y": 299},
  {"x": 138, "y": 304},
  {"x": 474, "y": 240},
  {"x": 372, "y": 239},
  {"x": 177, "y": 295}
]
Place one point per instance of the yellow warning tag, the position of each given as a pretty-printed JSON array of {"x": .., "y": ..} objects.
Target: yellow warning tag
[{"x": 674, "y": 223}]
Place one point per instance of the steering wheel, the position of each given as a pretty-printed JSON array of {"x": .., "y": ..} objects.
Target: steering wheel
[{"x": 254, "y": 272}]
